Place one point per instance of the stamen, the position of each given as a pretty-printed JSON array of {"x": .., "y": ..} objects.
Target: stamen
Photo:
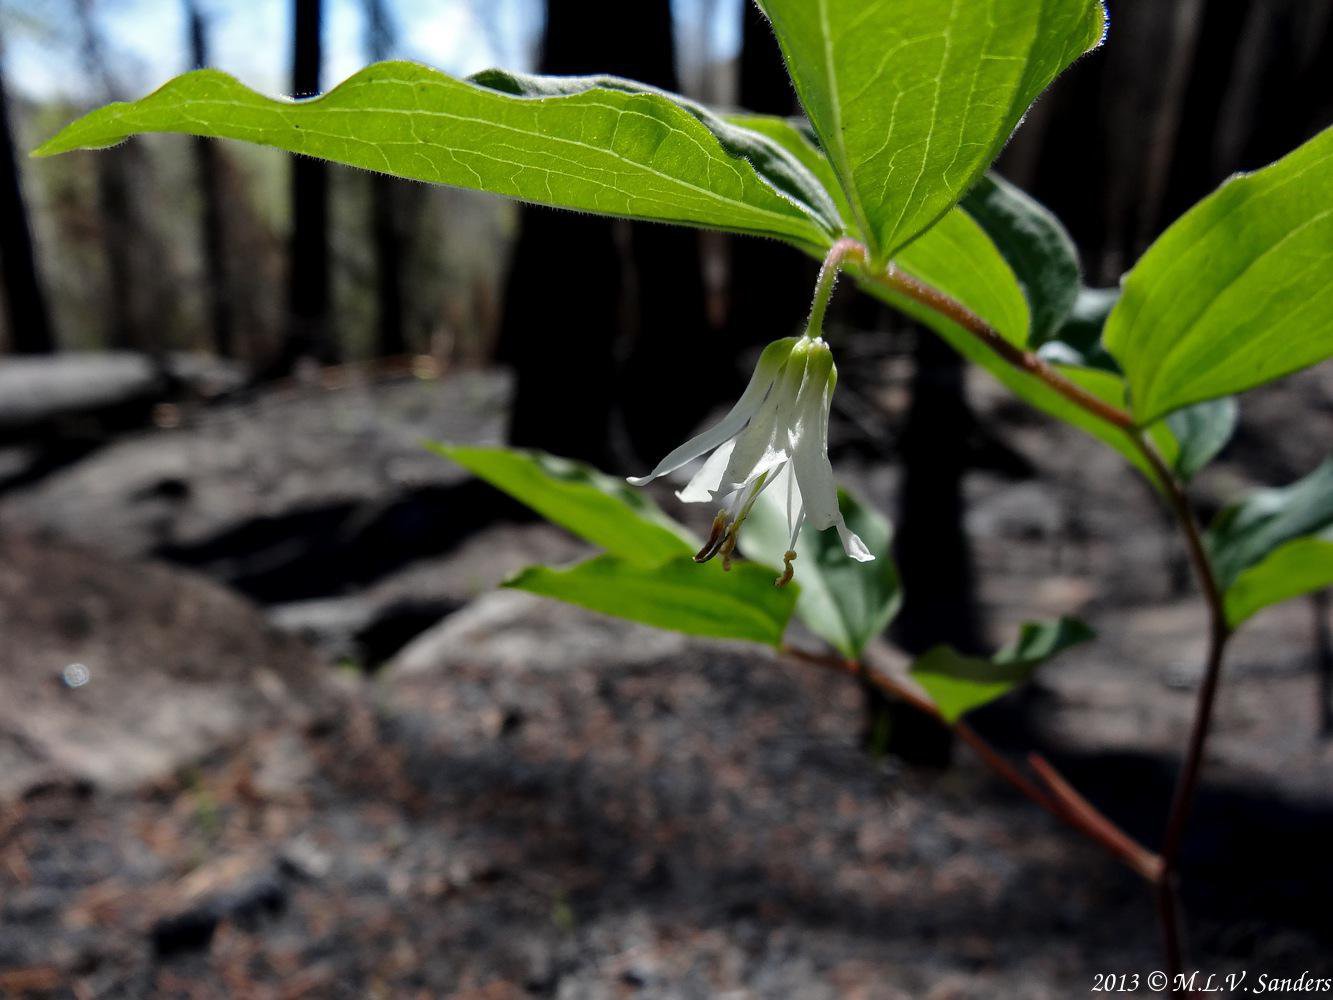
[
  {"x": 716, "y": 536},
  {"x": 729, "y": 546},
  {"x": 787, "y": 572}
]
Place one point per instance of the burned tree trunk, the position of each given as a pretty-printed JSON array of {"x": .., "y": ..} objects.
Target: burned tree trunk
[
  {"x": 668, "y": 384},
  {"x": 212, "y": 239},
  {"x": 308, "y": 334},
  {"x": 25, "y": 303},
  {"x": 770, "y": 282},
  {"x": 576, "y": 281},
  {"x": 125, "y": 316},
  {"x": 931, "y": 544},
  {"x": 562, "y": 298},
  {"x": 387, "y": 234}
]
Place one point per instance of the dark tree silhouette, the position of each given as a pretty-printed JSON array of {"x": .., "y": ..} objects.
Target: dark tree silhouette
[
  {"x": 575, "y": 282},
  {"x": 562, "y": 298},
  {"x": 25, "y": 303},
  {"x": 127, "y": 323},
  {"x": 668, "y": 386},
  {"x": 770, "y": 282},
  {"x": 308, "y": 333},
  {"x": 212, "y": 235},
  {"x": 385, "y": 214}
]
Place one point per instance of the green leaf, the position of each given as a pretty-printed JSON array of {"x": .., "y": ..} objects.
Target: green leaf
[
  {"x": 844, "y": 602},
  {"x": 1039, "y": 641},
  {"x": 595, "y": 145},
  {"x": 957, "y": 684},
  {"x": 782, "y": 167},
  {"x": 1301, "y": 566},
  {"x": 680, "y": 595},
  {"x": 796, "y": 136},
  {"x": 912, "y": 101},
  {"x": 596, "y": 507},
  {"x": 1237, "y": 292},
  {"x": 1037, "y": 247},
  {"x": 1275, "y": 544},
  {"x": 1078, "y": 341},
  {"x": 1201, "y": 431}
]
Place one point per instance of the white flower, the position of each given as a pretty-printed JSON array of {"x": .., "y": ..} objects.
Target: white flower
[{"x": 775, "y": 436}]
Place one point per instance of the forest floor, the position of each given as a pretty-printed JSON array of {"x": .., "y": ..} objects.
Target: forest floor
[{"x": 312, "y": 752}]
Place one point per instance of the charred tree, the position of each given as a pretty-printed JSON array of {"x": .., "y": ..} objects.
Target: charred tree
[
  {"x": 386, "y": 228},
  {"x": 125, "y": 316},
  {"x": 212, "y": 237},
  {"x": 931, "y": 544},
  {"x": 668, "y": 385},
  {"x": 770, "y": 283},
  {"x": 25, "y": 302},
  {"x": 575, "y": 282},
  {"x": 562, "y": 297},
  {"x": 308, "y": 333}
]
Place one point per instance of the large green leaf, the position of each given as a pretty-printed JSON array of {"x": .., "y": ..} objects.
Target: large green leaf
[
  {"x": 957, "y": 684},
  {"x": 611, "y": 147},
  {"x": 680, "y": 595},
  {"x": 1037, "y": 247},
  {"x": 1275, "y": 544},
  {"x": 913, "y": 99},
  {"x": 844, "y": 602},
  {"x": 1301, "y": 566},
  {"x": 772, "y": 156},
  {"x": 1200, "y": 432},
  {"x": 596, "y": 507},
  {"x": 1237, "y": 292}
]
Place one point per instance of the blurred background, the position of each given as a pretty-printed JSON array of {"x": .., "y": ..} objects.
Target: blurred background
[{"x": 265, "y": 728}]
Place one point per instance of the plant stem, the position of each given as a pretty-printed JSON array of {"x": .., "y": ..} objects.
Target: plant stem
[
  {"x": 1182, "y": 799},
  {"x": 1062, "y": 801},
  {"x": 842, "y": 251}
]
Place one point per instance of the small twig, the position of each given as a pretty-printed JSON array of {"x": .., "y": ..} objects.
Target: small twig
[
  {"x": 1069, "y": 807},
  {"x": 1130, "y": 851}
]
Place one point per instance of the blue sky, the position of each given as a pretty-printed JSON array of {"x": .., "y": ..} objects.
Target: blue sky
[{"x": 250, "y": 38}]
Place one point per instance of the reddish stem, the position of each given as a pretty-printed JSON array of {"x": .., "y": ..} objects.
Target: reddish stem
[{"x": 1061, "y": 801}]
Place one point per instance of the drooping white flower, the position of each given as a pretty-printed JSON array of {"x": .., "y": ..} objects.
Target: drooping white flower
[{"x": 776, "y": 436}]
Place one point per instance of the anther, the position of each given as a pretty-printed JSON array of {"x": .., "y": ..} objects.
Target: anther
[
  {"x": 716, "y": 536},
  {"x": 787, "y": 571},
  {"x": 729, "y": 546}
]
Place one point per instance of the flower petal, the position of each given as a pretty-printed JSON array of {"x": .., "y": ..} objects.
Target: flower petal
[
  {"x": 765, "y": 443},
  {"x": 852, "y": 544},
  {"x": 814, "y": 472},
  {"x": 795, "y": 506},
  {"x": 770, "y": 364},
  {"x": 706, "y": 480}
]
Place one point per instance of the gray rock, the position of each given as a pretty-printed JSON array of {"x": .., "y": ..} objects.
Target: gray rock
[
  {"x": 35, "y": 391},
  {"x": 288, "y": 496},
  {"x": 120, "y": 673},
  {"x": 372, "y": 625}
]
